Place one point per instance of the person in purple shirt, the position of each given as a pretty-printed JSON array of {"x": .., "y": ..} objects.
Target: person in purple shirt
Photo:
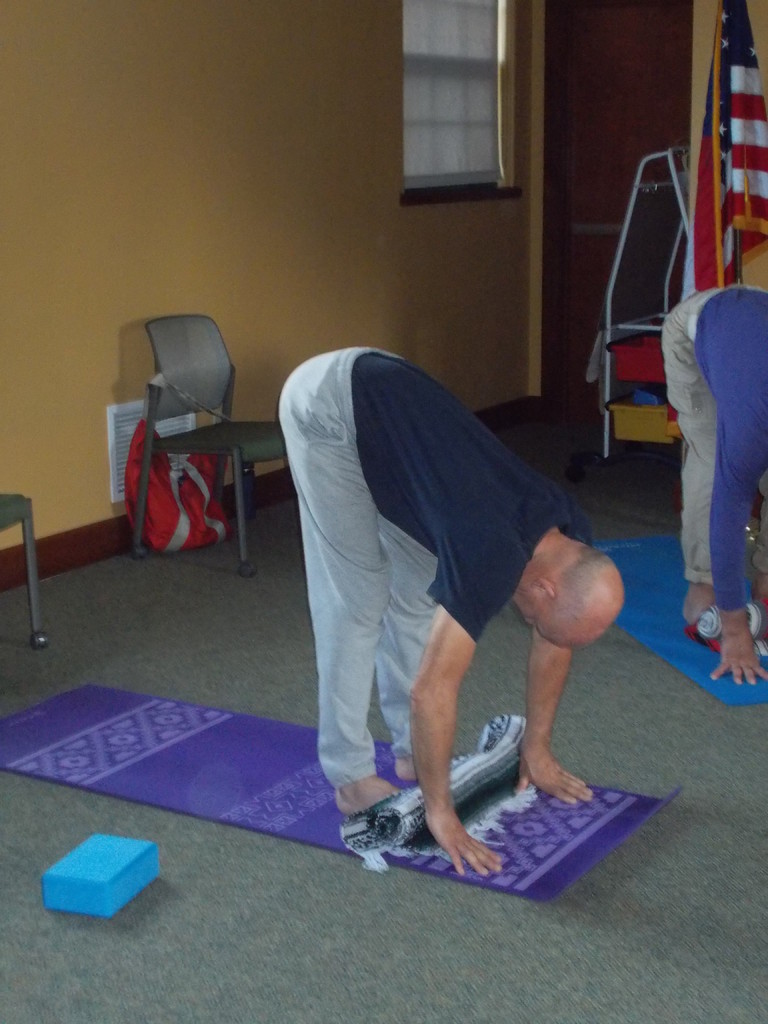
[
  {"x": 715, "y": 346},
  {"x": 419, "y": 526}
]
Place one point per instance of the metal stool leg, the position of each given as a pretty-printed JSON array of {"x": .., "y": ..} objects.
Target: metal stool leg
[
  {"x": 245, "y": 568},
  {"x": 38, "y": 638}
]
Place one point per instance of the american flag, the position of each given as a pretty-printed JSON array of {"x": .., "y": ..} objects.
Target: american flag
[{"x": 732, "y": 181}]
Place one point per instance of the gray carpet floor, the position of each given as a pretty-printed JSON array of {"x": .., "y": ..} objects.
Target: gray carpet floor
[{"x": 243, "y": 928}]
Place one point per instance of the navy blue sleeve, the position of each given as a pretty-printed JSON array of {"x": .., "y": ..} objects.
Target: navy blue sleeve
[{"x": 732, "y": 350}]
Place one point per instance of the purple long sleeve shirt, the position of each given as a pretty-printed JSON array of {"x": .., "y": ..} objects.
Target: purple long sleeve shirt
[{"x": 732, "y": 350}]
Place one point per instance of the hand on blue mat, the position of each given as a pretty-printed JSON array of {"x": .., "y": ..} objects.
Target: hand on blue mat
[{"x": 737, "y": 649}]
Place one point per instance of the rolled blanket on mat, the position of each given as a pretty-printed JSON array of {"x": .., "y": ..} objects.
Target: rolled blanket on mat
[
  {"x": 482, "y": 787},
  {"x": 708, "y": 628}
]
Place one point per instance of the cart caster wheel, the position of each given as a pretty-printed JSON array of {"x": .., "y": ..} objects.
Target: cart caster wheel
[
  {"x": 38, "y": 641},
  {"x": 139, "y": 552},
  {"x": 246, "y": 570}
]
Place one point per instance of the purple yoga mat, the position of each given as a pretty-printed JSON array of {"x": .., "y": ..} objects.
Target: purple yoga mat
[{"x": 263, "y": 775}]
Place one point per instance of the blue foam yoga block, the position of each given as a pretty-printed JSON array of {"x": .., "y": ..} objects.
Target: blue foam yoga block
[{"x": 100, "y": 875}]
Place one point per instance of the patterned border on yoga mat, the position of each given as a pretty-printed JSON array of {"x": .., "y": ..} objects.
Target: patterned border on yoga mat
[{"x": 263, "y": 775}]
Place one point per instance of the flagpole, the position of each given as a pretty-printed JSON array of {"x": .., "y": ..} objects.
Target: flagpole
[{"x": 731, "y": 206}]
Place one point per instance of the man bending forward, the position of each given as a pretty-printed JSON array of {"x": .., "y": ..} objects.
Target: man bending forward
[{"x": 418, "y": 527}]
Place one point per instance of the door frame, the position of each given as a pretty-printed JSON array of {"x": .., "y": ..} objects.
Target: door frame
[{"x": 556, "y": 207}]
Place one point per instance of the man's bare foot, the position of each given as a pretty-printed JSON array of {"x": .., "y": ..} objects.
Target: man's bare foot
[
  {"x": 699, "y": 597},
  {"x": 405, "y": 769},
  {"x": 760, "y": 586},
  {"x": 364, "y": 793}
]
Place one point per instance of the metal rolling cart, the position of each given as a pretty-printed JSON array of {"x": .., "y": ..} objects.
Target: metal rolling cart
[{"x": 626, "y": 358}]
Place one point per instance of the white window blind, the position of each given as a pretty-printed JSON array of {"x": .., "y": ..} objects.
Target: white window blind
[{"x": 450, "y": 92}]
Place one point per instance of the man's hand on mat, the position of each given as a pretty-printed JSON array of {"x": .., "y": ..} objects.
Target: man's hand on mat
[
  {"x": 737, "y": 649},
  {"x": 542, "y": 770},
  {"x": 451, "y": 835}
]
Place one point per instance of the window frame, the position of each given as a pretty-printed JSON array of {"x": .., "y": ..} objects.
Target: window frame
[{"x": 418, "y": 195}]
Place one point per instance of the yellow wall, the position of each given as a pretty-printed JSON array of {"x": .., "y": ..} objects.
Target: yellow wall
[
  {"x": 704, "y": 15},
  {"x": 529, "y": 139},
  {"x": 240, "y": 158}
]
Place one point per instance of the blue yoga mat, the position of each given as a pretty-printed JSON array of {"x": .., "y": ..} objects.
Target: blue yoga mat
[
  {"x": 263, "y": 775},
  {"x": 652, "y": 569}
]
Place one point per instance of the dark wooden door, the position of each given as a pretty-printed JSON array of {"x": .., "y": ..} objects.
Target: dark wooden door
[{"x": 618, "y": 86}]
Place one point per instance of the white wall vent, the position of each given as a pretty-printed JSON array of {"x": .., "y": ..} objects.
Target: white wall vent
[{"x": 121, "y": 423}]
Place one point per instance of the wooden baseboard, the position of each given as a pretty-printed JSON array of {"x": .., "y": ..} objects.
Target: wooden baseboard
[
  {"x": 87, "y": 544},
  {"x": 531, "y": 409},
  {"x": 77, "y": 548}
]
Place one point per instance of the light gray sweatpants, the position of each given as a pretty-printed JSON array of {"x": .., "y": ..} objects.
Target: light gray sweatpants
[
  {"x": 367, "y": 580},
  {"x": 689, "y": 394}
]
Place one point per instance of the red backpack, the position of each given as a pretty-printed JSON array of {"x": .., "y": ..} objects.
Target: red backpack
[{"x": 181, "y": 513}]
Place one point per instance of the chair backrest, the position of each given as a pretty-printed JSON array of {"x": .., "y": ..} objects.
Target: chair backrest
[
  {"x": 190, "y": 353},
  {"x": 13, "y": 509}
]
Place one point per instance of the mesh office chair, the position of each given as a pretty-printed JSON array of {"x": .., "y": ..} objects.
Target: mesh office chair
[
  {"x": 16, "y": 510},
  {"x": 194, "y": 374}
]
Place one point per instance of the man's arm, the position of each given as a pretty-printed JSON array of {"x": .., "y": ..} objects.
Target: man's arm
[
  {"x": 434, "y": 697},
  {"x": 741, "y": 458},
  {"x": 548, "y": 668},
  {"x": 727, "y": 544}
]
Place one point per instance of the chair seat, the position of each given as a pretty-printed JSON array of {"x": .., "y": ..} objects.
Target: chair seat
[
  {"x": 258, "y": 441},
  {"x": 13, "y": 508}
]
